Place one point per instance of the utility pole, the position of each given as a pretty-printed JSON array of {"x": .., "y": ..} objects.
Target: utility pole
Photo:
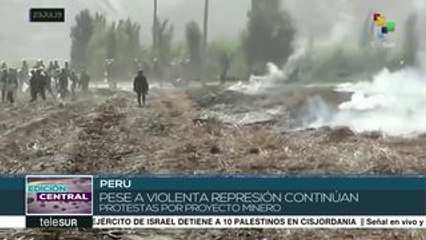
[
  {"x": 155, "y": 26},
  {"x": 205, "y": 27}
]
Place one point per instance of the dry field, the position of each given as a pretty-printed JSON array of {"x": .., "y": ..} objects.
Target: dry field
[{"x": 107, "y": 133}]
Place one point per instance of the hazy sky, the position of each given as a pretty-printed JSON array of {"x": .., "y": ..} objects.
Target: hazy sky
[
  {"x": 19, "y": 38},
  {"x": 331, "y": 20}
]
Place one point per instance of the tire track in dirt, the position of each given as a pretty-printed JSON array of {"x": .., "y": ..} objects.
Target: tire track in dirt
[
  {"x": 120, "y": 137},
  {"x": 166, "y": 133},
  {"x": 102, "y": 142}
]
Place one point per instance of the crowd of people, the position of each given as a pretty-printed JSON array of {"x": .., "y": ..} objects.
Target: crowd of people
[
  {"x": 59, "y": 82},
  {"x": 62, "y": 82}
]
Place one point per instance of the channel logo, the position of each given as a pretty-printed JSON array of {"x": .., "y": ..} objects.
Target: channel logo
[
  {"x": 383, "y": 29},
  {"x": 384, "y": 25},
  {"x": 59, "y": 195}
]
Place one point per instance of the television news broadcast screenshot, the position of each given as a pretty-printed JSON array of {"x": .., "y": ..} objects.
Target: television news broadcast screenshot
[{"x": 212, "y": 119}]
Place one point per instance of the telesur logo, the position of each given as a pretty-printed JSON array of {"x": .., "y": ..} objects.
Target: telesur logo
[{"x": 383, "y": 28}]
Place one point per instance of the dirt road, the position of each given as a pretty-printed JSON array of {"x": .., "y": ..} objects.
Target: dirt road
[{"x": 107, "y": 133}]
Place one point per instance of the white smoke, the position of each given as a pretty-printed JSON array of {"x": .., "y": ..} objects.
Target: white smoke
[
  {"x": 258, "y": 84},
  {"x": 316, "y": 112},
  {"x": 275, "y": 75},
  {"x": 393, "y": 103}
]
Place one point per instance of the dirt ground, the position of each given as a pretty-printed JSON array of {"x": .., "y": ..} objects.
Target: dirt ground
[{"x": 106, "y": 132}]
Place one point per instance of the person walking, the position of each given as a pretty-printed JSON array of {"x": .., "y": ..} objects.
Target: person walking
[{"x": 141, "y": 87}]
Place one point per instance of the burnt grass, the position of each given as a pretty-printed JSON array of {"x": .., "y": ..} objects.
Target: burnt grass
[{"x": 107, "y": 133}]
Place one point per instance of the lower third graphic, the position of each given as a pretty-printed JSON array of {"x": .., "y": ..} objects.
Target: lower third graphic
[{"x": 59, "y": 195}]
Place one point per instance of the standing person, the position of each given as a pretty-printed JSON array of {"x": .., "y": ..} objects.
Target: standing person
[
  {"x": 24, "y": 75},
  {"x": 33, "y": 86},
  {"x": 141, "y": 87},
  {"x": 11, "y": 85},
  {"x": 55, "y": 74},
  {"x": 47, "y": 81},
  {"x": 39, "y": 64},
  {"x": 41, "y": 83},
  {"x": 56, "y": 65},
  {"x": 74, "y": 83},
  {"x": 67, "y": 69},
  {"x": 37, "y": 85},
  {"x": 84, "y": 80},
  {"x": 111, "y": 73},
  {"x": 3, "y": 82},
  {"x": 63, "y": 84},
  {"x": 50, "y": 69},
  {"x": 67, "y": 66}
]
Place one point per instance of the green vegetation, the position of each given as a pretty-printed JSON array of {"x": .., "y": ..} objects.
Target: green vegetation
[
  {"x": 163, "y": 51},
  {"x": 268, "y": 37},
  {"x": 81, "y": 34},
  {"x": 194, "y": 48},
  {"x": 94, "y": 40}
]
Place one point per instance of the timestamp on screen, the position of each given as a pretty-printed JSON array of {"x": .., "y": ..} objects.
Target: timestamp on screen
[{"x": 47, "y": 15}]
